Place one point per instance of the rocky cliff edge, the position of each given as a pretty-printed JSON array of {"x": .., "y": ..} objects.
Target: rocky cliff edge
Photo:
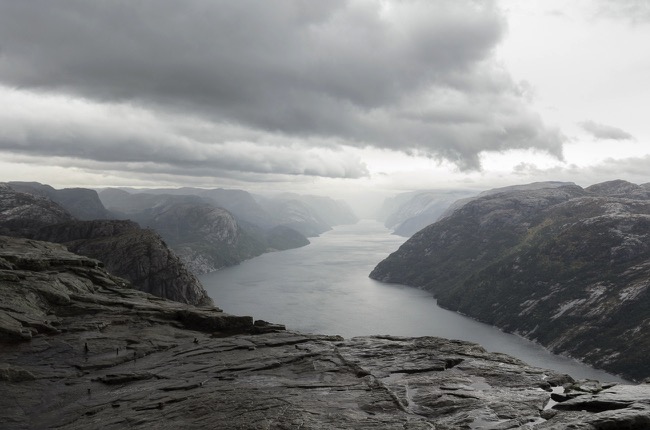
[{"x": 81, "y": 350}]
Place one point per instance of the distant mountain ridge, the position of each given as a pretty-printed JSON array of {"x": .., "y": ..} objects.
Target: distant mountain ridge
[
  {"x": 309, "y": 214},
  {"x": 82, "y": 203},
  {"x": 408, "y": 213},
  {"x": 565, "y": 266},
  {"x": 214, "y": 228},
  {"x": 206, "y": 236}
]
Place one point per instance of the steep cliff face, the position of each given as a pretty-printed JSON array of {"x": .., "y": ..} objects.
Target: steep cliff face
[
  {"x": 22, "y": 214},
  {"x": 136, "y": 254},
  {"x": 565, "y": 266},
  {"x": 82, "y": 203},
  {"x": 206, "y": 237},
  {"x": 47, "y": 290},
  {"x": 127, "y": 250},
  {"x": 81, "y": 350}
]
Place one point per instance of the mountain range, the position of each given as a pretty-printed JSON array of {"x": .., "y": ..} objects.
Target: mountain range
[
  {"x": 408, "y": 213},
  {"x": 138, "y": 255},
  {"x": 565, "y": 266},
  {"x": 212, "y": 229}
]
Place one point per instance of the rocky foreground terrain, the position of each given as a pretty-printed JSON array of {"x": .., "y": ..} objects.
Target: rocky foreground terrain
[
  {"x": 565, "y": 266},
  {"x": 80, "y": 349}
]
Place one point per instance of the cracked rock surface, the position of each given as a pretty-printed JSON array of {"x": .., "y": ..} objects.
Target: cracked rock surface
[{"x": 80, "y": 350}]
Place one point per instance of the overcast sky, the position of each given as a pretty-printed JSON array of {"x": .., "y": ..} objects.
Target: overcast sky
[{"x": 321, "y": 96}]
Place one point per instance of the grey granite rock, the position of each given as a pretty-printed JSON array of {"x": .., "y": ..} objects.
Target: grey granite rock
[
  {"x": 136, "y": 254},
  {"x": 22, "y": 214},
  {"x": 97, "y": 354},
  {"x": 564, "y": 266}
]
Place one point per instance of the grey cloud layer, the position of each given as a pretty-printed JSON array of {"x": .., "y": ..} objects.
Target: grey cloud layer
[
  {"x": 601, "y": 131},
  {"x": 411, "y": 75},
  {"x": 122, "y": 134},
  {"x": 635, "y": 11}
]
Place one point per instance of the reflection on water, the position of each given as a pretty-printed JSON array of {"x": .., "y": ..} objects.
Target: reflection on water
[{"x": 324, "y": 288}]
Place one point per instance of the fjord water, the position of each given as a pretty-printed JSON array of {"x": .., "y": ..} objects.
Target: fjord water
[{"x": 324, "y": 288}]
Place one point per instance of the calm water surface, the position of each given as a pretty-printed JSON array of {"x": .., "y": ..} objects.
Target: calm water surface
[{"x": 324, "y": 288}]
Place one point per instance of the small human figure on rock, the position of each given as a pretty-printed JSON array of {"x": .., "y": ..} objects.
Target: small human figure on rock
[{"x": 86, "y": 347}]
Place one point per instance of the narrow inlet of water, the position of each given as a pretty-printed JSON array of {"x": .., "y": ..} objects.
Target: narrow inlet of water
[{"x": 324, "y": 288}]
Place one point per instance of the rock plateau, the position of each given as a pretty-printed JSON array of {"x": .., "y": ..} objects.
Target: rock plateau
[{"x": 79, "y": 349}]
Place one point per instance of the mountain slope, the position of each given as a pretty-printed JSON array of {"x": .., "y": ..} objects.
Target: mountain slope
[
  {"x": 205, "y": 236},
  {"x": 409, "y": 213},
  {"x": 82, "y": 203},
  {"x": 127, "y": 250},
  {"x": 297, "y": 215},
  {"x": 565, "y": 266}
]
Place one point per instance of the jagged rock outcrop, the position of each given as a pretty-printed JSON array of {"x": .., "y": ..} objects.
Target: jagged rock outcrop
[
  {"x": 564, "y": 266},
  {"x": 47, "y": 290},
  {"x": 22, "y": 214},
  {"x": 79, "y": 350},
  {"x": 82, "y": 203},
  {"x": 127, "y": 250},
  {"x": 136, "y": 254}
]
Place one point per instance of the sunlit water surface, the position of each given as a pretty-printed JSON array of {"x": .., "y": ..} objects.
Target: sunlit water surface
[{"x": 324, "y": 288}]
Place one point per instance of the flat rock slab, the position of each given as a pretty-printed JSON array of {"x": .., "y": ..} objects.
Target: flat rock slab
[{"x": 288, "y": 381}]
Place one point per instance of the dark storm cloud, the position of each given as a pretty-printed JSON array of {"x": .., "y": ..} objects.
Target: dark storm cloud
[
  {"x": 121, "y": 134},
  {"x": 409, "y": 75},
  {"x": 601, "y": 131}
]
